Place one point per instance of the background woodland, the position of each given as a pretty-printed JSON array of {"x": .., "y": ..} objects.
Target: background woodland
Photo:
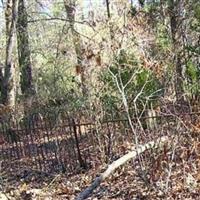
[{"x": 97, "y": 61}]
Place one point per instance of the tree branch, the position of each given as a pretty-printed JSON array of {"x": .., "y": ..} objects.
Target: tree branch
[
  {"x": 121, "y": 161},
  {"x": 58, "y": 19}
]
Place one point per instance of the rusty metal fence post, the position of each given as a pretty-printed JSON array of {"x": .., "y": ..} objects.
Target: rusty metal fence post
[{"x": 80, "y": 159}]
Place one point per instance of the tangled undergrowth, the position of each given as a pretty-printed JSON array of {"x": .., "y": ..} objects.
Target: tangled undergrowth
[{"x": 168, "y": 174}]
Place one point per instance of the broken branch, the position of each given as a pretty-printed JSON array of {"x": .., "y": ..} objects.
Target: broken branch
[{"x": 121, "y": 161}]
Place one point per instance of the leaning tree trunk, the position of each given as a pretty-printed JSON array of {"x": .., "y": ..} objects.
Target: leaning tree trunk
[
  {"x": 24, "y": 54},
  {"x": 70, "y": 11},
  {"x": 8, "y": 83}
]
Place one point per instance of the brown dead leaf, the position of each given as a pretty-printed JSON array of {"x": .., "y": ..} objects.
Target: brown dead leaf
[{"x": 64, "y": 190}]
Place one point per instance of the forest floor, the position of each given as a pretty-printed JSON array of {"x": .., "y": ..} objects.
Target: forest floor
[
  {"x": 172, "y": 173},
  {"x": 179, "y": 179}
]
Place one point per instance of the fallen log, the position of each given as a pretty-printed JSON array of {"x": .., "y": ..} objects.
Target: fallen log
[{"x": 121, "y": 161}]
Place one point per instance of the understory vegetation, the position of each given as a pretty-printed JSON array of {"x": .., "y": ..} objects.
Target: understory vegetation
[{"x": 99, "y": 99}]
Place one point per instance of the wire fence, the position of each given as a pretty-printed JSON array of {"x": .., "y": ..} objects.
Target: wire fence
[{"x": 59, "y": 143}]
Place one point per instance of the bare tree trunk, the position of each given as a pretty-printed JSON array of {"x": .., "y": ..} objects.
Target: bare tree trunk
[
  {"x": 1, "y": 81},
  {"x": 70, "y": 11},
  {"x": 8, "y": 86},
  {"x": 24, "y": 54},
  {"x": 109, "y": 17},
  {"x": 108, "y": 8},
  {"x": 175, "y": 24}
]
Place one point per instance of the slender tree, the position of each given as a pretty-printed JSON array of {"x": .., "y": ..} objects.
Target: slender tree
[
  {"x": 109, "y": 18},
  {"x": 24, "y": 54},
  {"x": 108, "y": 8},
  {"x": 70, "y": 11},
  {"x": 1, "y": 80},
  {"x": 176, "y": 9},
  {"x": 8, "y": 83}
]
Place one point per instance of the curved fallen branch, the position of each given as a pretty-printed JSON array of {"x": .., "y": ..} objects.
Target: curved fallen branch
[{"x": 112, "y": 167}]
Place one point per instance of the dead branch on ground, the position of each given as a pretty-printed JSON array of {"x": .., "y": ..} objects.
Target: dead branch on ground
[{"x": 121, "y": 161}]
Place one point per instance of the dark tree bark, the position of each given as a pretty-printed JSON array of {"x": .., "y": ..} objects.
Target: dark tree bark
[
  {"x": 24, "y": 54},
  {"x": 8, "y": 85},
  {"x": 108, "y": 8},
  {"x": 141, "y": 3},
  {"x": 109, "y": 17},
  {"x": 1, "y": 80},
  {"x": 175, "y": 25}
]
